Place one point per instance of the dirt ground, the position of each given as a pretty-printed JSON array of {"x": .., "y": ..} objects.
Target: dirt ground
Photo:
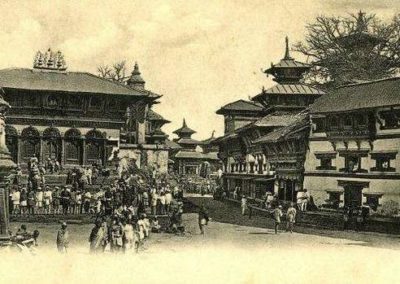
[{"x": 228, "y": 253}]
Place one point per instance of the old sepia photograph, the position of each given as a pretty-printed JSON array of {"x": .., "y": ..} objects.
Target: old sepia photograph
[{"x": 199, "y": 141}]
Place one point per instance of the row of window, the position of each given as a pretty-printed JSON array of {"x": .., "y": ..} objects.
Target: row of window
[
  {"x": 335, "y": 122},
  {"x": 353, "y": 163},
  {"x": 73, "y": 102}
]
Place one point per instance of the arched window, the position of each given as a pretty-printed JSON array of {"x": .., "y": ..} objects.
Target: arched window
[
  {"x": 30, "y": 139},
  {"x": 94, "y": 146},
  {"x": 52, "y": 144},
  {"x": 73, "y": 146}
]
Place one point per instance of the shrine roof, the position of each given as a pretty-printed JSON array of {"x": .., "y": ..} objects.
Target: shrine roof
[
  {"x": 373, "y": 94},
  {"x": 291, "y": 89},
  {"x": 196, "y": 155},
  {"x": 153, "y": 116},
  {"x": 189, "y": 141},
  {"x": 75, "y": 82},
  {"x": 276, "y": 119},
  {"x": 241, "y": 105},
  {"x": 287, "y": 63},
  {"x": 300, "y": 121},
  {"x": 172, "y": 145}
]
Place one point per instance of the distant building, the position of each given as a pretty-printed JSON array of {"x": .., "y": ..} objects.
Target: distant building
[
  {"x": 354, "y": 146},
  {"x": 193, "y": 157},
  {"x": 75, "y": 117}
]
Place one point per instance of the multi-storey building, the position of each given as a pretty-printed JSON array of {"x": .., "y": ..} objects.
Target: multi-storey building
[{"x": 354, "y": 145}]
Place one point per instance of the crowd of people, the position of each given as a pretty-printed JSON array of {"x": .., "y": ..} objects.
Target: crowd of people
[{"x": 81, "y": 194}]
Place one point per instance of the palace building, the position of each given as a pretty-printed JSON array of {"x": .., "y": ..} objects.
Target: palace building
[
  {"x": 258, "y": 150},
  {"x": 75, "y": 117},
  {"x": 354, "y": 146}
]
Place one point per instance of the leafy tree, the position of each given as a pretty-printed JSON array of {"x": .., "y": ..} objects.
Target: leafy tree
[{"x": 349, "y": 49}]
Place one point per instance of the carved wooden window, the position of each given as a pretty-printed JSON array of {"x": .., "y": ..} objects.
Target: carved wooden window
[
  {"x": 52, "y": 101},
  {"x": 73, "y": 146},
  {"x": 30, "y": 142},
  {"x": 334, "y": 122},
  {"x": 352, "y": 160},
  {"x": 93, "y": 151},
  {"x": 360, "y": 120},
  {"x": 326, "y": 161},
  {"x": 348, "y": 122},
  {"x": 319, "y": 125},
  {"x": 96, "y": 103},
  {"x": 72, "y": 149},
  {"x": 383, "y": 161},
  {"x": 372, "y": 200},
  {"x": 74, "y": 102},
  {"x": 391, "y": 118}
]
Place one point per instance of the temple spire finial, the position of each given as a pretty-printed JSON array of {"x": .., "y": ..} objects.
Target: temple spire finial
[
  {"x": 287, "y": 53},
  {"x": 136, "y": 79},
  {"x": 184, "y": 123},
  {"x": 136, "y": 68}
]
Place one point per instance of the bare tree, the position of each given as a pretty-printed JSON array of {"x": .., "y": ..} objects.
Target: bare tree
[
  {"x": 357, "y": 48},
  {"x": 115, "y": 73}
]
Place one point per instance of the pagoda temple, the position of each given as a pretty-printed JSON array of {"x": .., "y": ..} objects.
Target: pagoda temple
[
  {"x": 191, "y": 157},
  {"x": 261, "y": 155}
]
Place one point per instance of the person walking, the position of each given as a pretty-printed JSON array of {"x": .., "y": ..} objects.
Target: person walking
[
  {"x": 97, "y": 238},
  {"x": 62, "y": 238},
  {"x": 203, "y": 219},
  {"x": 277, "y": 217},
  {"x": 290, "y": 217},
  {"x": 244, "y": 204}
]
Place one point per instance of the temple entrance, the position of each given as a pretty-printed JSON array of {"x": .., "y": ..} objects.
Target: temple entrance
[
  {"x": 30, "y": 143},
  {"x": 73, "y": 147},
  {"x": 52, "y": 144},
  {"x": 352, "y": 196},
  {"x": 352, "y": 192},
  {"x": 95, "y": 147}
]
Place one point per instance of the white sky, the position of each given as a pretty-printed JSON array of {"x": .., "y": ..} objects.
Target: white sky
[{"x": 199, "y": 54}]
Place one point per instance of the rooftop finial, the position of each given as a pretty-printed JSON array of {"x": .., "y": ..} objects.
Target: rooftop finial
[
  {"x": 287, "y": 54},
  {"x": 212, "y": 134},
  {"x": 184, "y": 123},
  {"x": 49, "y": 61},
  {"x": 136, "y": 80}
]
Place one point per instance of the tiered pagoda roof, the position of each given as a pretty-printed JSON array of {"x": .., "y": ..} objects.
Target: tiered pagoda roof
[
  {"x": 153, "y": 116},
  {"x": 240, "y": 106},
  {"x": 184, "y": 131},
  {"x": 288, "y": 74}
]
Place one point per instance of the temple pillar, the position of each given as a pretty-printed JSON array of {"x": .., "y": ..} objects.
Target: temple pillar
[
  {"x": 41, "y": 151},
  {"x": 62, "y": 151},
  {"x": 83, "y": 152},
  {"x": 19, "y": 150}
]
